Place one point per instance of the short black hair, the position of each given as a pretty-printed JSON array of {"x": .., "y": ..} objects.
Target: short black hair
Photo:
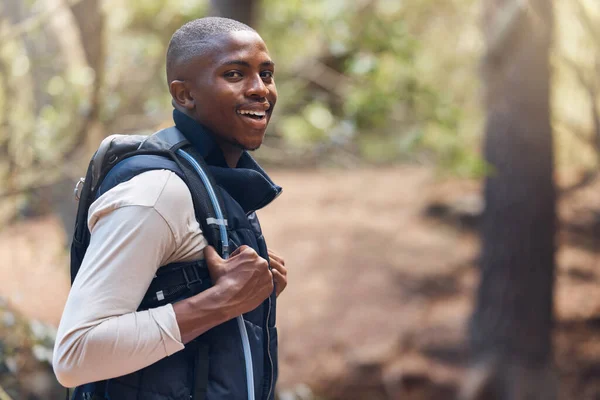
[{"x": 189, "y": 40}]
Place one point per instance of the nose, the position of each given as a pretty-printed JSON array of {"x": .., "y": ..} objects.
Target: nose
[{"x": 257, "y": 88}]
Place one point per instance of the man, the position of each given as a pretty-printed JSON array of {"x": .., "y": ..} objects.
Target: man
[{"x": 221, "y": 81}]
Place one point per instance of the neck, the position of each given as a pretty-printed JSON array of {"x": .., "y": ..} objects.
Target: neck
[{"x": 232, "y": 153}]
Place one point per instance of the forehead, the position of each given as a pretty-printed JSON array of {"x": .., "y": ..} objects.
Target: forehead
[{"x": 241, "y": 45}]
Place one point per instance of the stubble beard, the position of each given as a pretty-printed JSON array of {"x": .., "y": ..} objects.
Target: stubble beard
[{"x": 235, "y": 143}]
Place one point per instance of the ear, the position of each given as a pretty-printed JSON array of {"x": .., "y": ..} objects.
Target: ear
[{"x": 181, "y": 95}]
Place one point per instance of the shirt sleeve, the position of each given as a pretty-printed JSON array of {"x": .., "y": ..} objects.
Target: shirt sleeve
[{"x": 101, "y": 335}]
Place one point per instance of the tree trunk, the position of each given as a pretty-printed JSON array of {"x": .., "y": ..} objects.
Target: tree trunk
[
  {"x": 74, "y": 33},
  {"x": 245, "y": 11},
  {"x": 510, "y": 332},
  {"x": 90, "y": 22}
]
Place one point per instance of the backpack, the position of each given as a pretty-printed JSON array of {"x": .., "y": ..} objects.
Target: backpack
[{"x": 120, "y": 158}]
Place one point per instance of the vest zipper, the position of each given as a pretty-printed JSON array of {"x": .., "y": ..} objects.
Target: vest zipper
[{"x": 269, "y": 350}]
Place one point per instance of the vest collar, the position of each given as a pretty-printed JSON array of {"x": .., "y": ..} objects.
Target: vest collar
[{"x": 247, "y": 183}]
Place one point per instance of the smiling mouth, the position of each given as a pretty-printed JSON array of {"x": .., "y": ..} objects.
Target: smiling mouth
[{"x": 255, "y": 115}]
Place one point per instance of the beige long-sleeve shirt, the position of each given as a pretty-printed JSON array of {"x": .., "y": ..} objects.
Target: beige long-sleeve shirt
[{"x": 135, "y": 228}]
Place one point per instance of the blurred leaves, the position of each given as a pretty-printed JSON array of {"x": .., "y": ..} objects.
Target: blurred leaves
[
  {"x": 576, "y": 82},
  {"x": 371, "y": 81},
  {"x": 349, "y": 75}
]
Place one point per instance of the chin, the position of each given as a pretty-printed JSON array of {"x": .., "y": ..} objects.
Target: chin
[
  {"x": 253, "y": 147},
  {"x": 253, "y": 142}
]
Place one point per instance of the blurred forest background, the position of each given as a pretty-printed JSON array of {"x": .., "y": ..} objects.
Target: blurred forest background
[{"x": 380, "y": 135}]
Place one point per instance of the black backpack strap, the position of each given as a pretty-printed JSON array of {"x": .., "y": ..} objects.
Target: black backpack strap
[
  {"x": 81, "y": 235},
  {"x": 90, "y": 391},
  {"x": 174, "y": 282},
  {"x": 167, "y": 139},
  {"x": 205, "y": 210},
  {"x": 133, "y": 166},
  {"x": 168, "y": 160}
]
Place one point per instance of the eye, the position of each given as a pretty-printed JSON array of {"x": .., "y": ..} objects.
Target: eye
[
  {"x": 267, "y": 75},
  {"x": 233, "y": 74}
]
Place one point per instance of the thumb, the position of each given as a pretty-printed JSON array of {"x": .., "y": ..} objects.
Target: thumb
[
  {"x": 211, "y": 256},
  {"x": 213, "y": 263}
]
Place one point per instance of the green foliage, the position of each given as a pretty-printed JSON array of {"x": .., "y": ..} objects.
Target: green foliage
[
  {"x": 382, "y": 79},
  {"x": 385, "y": 80},
  {"x": 138, "y": 35},
  {"x": 349, "y": 74}
]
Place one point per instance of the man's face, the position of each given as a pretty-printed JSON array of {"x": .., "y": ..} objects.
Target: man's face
[{"x": 233, "y": 88}]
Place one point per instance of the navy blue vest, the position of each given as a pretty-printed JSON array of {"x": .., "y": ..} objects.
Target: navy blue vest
[{"x": 220, "y": 373}]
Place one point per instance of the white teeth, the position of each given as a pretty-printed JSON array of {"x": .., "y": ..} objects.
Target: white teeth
[{"x": 248, "y": 112}]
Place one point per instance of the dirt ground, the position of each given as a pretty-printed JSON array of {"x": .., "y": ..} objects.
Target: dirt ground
[{"x": 380, "y": 286}]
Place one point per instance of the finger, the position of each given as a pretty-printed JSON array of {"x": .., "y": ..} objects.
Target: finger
[
  {"x": 279, "y": 281},
  {"x": 236, "y": 251},
  {"x": 239, "y": 250},
  {"x": 276, "y": 257},
  {"x": 278, "y": 277},
  {"x": 276, "y": 265}
]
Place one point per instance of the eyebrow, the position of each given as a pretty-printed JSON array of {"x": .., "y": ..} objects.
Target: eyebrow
[{"x": 246, "y": 64}]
